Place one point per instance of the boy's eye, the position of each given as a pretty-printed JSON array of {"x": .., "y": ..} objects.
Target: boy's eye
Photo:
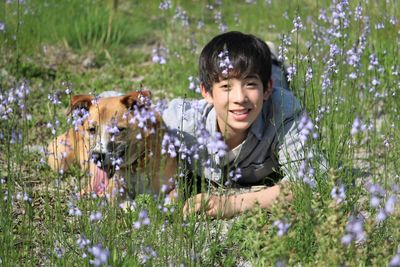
[
  {"x": 225, "y": 87},
  {"x": 251, "y": 84}
]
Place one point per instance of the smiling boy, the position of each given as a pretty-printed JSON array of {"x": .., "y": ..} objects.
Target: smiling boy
[{"x": 246, "y": 101}]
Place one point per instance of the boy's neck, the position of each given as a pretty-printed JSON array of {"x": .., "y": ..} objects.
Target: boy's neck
[{"x": 231, "y": 138}]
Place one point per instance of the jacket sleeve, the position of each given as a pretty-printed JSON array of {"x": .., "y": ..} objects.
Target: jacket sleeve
[{"x": 296, "y": 155}]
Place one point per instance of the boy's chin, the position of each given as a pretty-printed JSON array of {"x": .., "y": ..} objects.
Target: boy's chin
[{"x": 240, "y": 126}]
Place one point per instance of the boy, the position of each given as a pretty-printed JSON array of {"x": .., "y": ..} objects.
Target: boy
[{"x": 246, "y": 101}]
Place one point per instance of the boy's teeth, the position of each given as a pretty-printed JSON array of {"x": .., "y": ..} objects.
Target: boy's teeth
[{"x": 240, "y": 112}]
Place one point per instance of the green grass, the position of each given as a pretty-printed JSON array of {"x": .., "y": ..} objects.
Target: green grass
[{"x": 46, "y": 43}]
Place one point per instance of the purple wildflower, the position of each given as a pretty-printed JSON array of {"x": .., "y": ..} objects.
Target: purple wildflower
[
  {"x": 148, "y": 253},
  {"x": 395, "y": 261},
  {"x": 2, "y": 26},
  {"x": 291, "y": 72},
  {"x": 306, "y": 128},
  {"x": 194, "y": 84},
  {"x": 165, "y": 5},
  {"x": 74, "y": 210},
  {"x": 358, "y": 13},
  {"x": 309, "y": 74},
  {"x": 143, "y": 219},
  {"x": 100, "y": 255},
  {"x": 82, "y": 241},
  {"x": 358, "y": 126},
  {"x": 338, "y": 193},
  {"x": 283, "y": 48},
  {"x": 354, "y": 230},
  {"x": 79, "y": 115},
  {"x": 95, "y": 216},
  {"x": 297, "y": 24},
  {"x": 282, "y": 226},
  {"x": 393, "y": 20},
  {"x": 306, "y": 173},
  {"x": 169, "y": 145},
  {"x": 159, "y": 55},
  {"x": 59, "y": 251},
  {"x": 181, "y": 15},
  {"x": 218, "y": 146},
  {"x": 224, "y": 63}
]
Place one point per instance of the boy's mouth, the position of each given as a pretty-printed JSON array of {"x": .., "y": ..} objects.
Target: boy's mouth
[{"x": 240, "y": 114}]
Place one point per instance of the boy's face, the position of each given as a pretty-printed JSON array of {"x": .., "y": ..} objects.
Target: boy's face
[{"x": 237, "y": 103}]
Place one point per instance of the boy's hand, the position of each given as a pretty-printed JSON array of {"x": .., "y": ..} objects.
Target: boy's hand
[{"x": 212, "y": 205}]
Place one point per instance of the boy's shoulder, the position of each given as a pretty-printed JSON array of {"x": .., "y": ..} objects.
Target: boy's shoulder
[
  {"x": 184, "y": 114},
  {"x": 285, "y": 104}
]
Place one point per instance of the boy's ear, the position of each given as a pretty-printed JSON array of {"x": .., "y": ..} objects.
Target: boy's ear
[
  {"x": 268, "y": 91},
  {"x": 206, "y": 94}
]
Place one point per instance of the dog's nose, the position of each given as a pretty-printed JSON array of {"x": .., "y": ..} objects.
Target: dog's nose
[{"x": 99, "y": 157}]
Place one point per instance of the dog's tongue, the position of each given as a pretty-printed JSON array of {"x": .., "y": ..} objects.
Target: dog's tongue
[{"x": 100, "y": 181}]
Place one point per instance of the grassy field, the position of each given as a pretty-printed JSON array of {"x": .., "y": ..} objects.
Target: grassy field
[{"x": 343, "y": 63}]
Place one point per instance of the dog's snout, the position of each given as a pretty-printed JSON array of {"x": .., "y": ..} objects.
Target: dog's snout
[{"x": 98, "y": 157}]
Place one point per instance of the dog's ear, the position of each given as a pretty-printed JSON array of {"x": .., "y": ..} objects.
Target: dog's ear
[
  {"x": 80, "y": 101},
  {"x": 137, "y": 98}
]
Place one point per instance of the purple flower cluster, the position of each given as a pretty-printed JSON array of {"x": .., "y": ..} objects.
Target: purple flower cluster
[
  {"x": 225, "y": 64},
  {"x": 378, "y": 194},
  {"x": 306, "y": 173},
  {"x": 291, "y": 72},
  {"x": 82, "y": 241},
  {"x": 181, "y": 15},
  {"x": 165, "y": 5},
  {"x": 217, "y": 146},
  {"x": 95, "y": 216},
  {"x": 358, "y": 126},
  {"x": 74, "y": 210},
  {"x": 12, "y": 101},
  {"x": 354, "y": 230},
  {"x": 169, "y": 145},
  {"x": 218, "y": 20},
  {"x": 100, "y": 255},
  {"x": 306, "y": 128},
  {"x": 59, "y": 251},
  {"x": 2, "y": 27},
  {"x": 143, "y": 220},
  {"x": 338, "y": 193},
  {"x": 395, "y": 261},
  {"x": 282, "y": 226},
  {"x": 78, "y": 116},
  {"x": 148, "y": 253},
  {"x": 159, "y": 55},
  {"x": 194, "y": 84},
  {"x": 144, "y": 117},
  {"x": 297, "y": 24},
  {"x": 286, "y": 41}
]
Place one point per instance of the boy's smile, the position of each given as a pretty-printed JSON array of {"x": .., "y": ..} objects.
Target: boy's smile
[{"x": 237, "y": 103}]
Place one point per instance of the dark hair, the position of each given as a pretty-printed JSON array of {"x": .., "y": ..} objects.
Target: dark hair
[{"x": 247, "y": 54}]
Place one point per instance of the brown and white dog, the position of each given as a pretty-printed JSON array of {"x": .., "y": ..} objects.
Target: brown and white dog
[{"x": 118, "y": 138}]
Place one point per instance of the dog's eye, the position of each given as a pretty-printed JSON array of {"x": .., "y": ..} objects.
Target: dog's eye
[{"x": 92, "y": 130}]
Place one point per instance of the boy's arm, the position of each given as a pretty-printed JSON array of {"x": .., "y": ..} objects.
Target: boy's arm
[{"x": 227, "y": 206}]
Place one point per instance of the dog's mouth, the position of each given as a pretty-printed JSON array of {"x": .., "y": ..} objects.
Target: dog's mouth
[
  {"x": 107, "y": 165},
  {"x": 100, "y": 181}
]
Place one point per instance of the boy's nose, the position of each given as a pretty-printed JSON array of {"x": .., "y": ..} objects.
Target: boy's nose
[{"x": 238, "y": 95}]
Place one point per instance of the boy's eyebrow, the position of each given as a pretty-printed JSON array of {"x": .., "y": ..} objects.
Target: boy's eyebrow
[{"x": 251, "y": 76}]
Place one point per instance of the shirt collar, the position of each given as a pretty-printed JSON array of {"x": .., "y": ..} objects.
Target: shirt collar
[{"x": 211, "y": 120}]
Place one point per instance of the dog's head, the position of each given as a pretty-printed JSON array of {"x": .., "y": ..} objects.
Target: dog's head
[{"x": 115, "y": 126}]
